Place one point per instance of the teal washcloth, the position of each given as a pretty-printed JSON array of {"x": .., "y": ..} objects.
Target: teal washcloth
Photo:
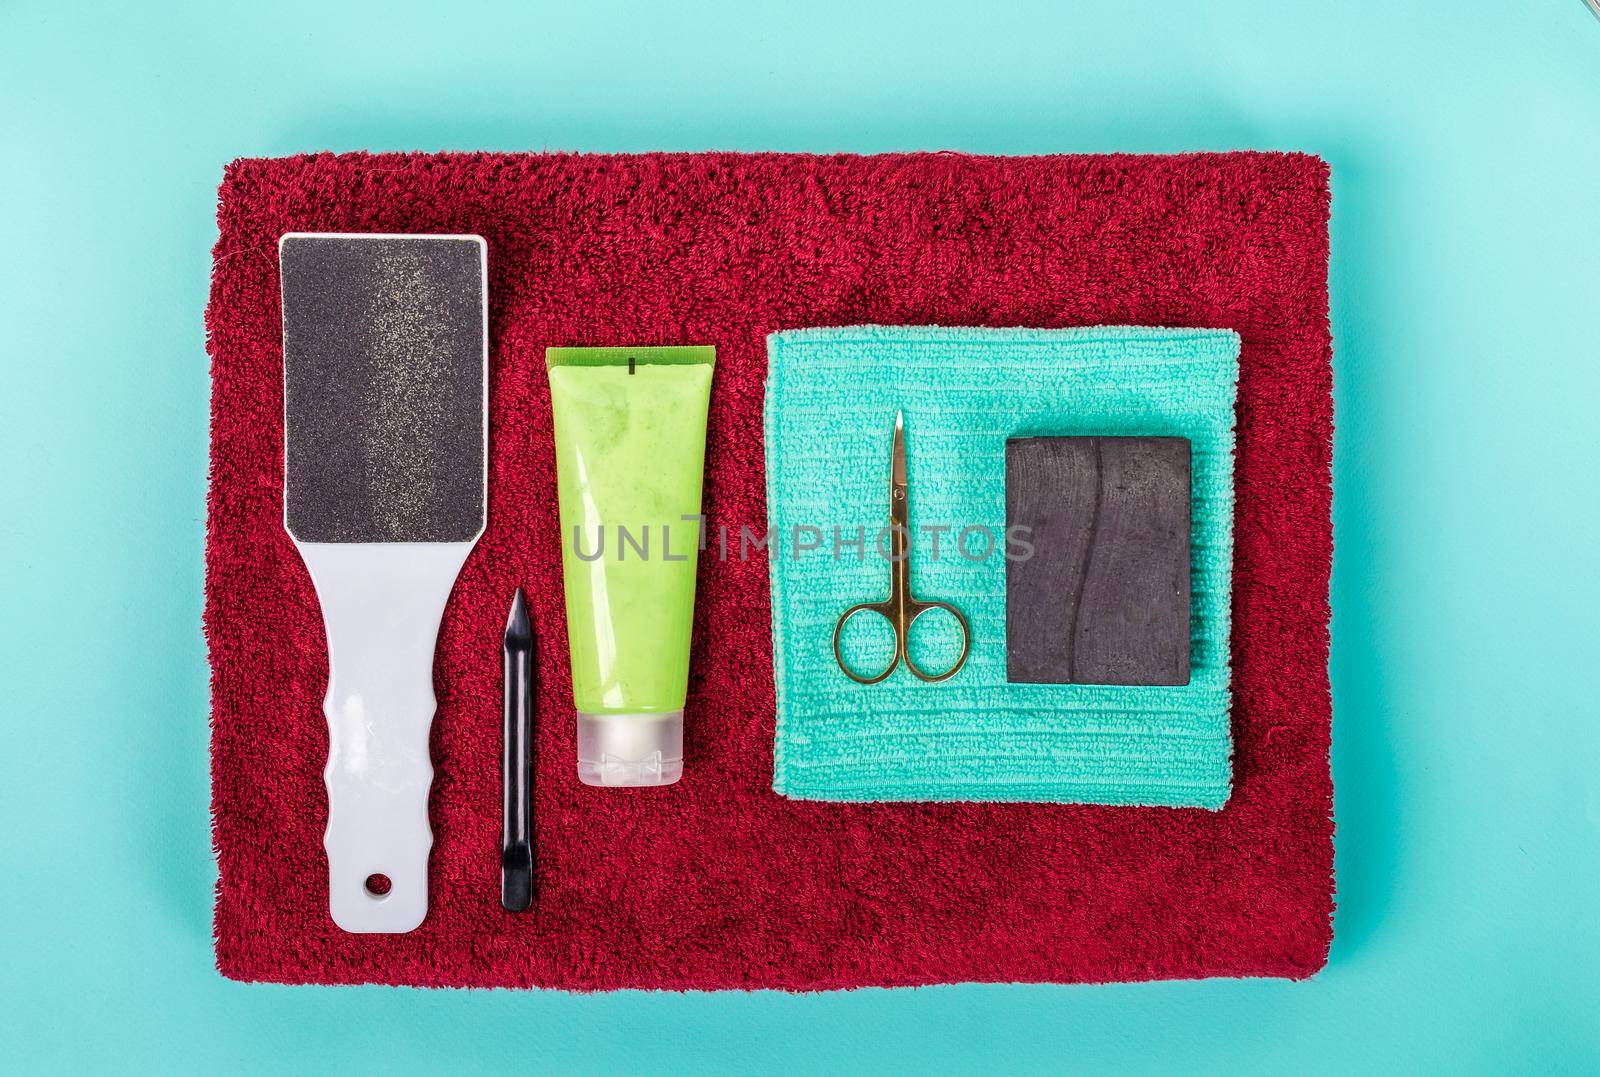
[{"x": 832, "y": 395}]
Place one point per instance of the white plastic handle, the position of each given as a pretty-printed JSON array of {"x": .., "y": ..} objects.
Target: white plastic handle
[{"x": 381, "y": 603}]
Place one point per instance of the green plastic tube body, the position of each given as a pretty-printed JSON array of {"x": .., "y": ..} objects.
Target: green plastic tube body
[{"x": 630, "y": 456}]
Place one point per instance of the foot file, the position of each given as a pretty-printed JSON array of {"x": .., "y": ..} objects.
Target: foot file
[{"x": 385, "y": 373}]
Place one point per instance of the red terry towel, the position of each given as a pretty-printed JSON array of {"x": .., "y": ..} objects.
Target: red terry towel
[{"x": 717, "y": 882}]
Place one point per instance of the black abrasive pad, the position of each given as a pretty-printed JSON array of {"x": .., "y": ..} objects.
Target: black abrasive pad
[
  {"x": 1105, "y": 597},
  {"x": 384, "y": 377}
]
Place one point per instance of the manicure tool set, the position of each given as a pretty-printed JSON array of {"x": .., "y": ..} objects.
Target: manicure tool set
[
  {"x": 385, "y": 366},
  {"x": 1054, "y": 630}
]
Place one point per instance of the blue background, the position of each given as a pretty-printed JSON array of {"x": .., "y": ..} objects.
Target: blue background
[{"x": 1465, "y": 144}]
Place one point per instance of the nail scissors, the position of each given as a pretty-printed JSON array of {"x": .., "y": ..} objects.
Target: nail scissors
[{"x": 902, "y": 608}]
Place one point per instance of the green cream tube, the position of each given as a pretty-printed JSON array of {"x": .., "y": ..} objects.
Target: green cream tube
[{"x": 630, "y": 430}]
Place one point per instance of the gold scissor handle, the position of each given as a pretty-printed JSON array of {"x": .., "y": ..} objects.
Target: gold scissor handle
[
  {"x": 887, "y": 612},
  {"x": 900, "y": 618},
  {"x": 915, "y": 609}
]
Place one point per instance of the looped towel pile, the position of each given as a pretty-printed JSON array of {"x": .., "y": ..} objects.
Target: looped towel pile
[
  {"x": 718, "y": 881},
  {"x": 831, "y": 394}
]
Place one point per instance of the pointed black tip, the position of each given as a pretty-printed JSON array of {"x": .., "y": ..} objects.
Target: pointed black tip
[{"x": 518, "y": 627}]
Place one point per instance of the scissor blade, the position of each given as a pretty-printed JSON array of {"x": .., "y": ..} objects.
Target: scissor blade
[{"x": 897, "y": 459}]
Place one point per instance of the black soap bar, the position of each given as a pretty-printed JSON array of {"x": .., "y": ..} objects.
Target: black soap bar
[{"x": 1104, "y": 599}]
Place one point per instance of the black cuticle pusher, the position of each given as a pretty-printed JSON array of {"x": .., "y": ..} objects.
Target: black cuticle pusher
[{"x": 516, "y": 842}]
